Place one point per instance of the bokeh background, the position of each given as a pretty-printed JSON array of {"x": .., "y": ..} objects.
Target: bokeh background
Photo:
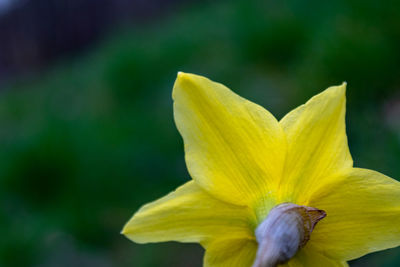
[{"x": 86, "y": 125}]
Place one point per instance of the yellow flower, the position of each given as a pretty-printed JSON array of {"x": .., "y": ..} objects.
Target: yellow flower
[{"x": 244, "y": 162}]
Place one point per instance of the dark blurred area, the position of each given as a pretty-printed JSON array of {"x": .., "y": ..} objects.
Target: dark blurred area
[
  {"x": 87, "y": 133},
  {"x": 34, "y": 33}
]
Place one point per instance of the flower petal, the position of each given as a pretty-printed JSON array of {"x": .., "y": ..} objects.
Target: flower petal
[
  {"x": 363, "y": 214},
  {"x": 234, "y": 148},
  {"x": 317, "y": 143},
  {"x": 230, "y": 253},
  {"x": 309, "y": 257},
  {"x": 188, "y": 214}
]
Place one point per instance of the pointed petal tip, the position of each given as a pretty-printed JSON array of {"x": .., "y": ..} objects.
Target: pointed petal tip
[
  {"x": 337, "y": 90},
  {"x": 124, "y": 231},
  {"x": 344, "y": 86},
  {"x": 181, "y": 79},
  {"x": 187, "y": 81},
  {"x": 131, "y": 235},
  {"x": 180, "y": 74},
  {"x": 128, "y": 229},
  {"x": 184, "y": 75}
]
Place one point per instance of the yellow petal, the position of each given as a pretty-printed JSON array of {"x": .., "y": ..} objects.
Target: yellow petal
[
  {"x": 188, "y": 214},
  {"x": 234, "y": 148},
  {"x": 363, "y": 214},
  {"x": 317, "y": 144},
  {"x": 309, "y": 257},
  {"x": 230, "y": 253}
]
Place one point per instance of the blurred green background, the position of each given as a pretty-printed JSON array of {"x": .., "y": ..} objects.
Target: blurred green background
[{"x": 87, "y": 133}]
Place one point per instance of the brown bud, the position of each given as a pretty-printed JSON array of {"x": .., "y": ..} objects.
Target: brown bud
[{"x": 286, "y": 229}]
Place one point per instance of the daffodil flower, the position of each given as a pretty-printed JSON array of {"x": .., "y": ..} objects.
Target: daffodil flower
[{"x": 259, "y": 186}]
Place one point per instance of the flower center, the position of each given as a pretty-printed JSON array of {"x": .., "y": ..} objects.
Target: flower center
[{"x": 286, "y": 229}]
